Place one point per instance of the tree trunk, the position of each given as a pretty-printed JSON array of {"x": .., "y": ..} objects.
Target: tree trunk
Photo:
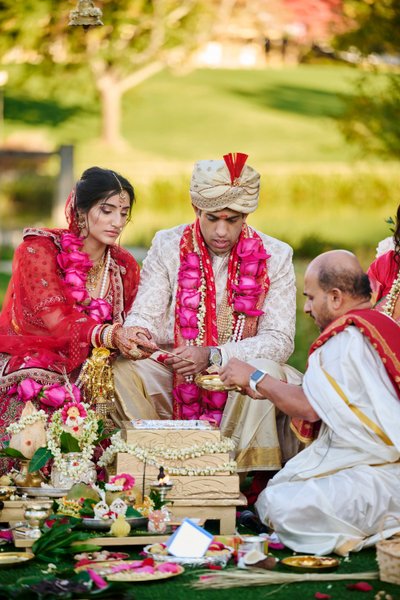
[{"x": 111, "y": 96}]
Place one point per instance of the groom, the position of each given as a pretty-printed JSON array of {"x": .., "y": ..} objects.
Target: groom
[{"x": 210, "y": 291}]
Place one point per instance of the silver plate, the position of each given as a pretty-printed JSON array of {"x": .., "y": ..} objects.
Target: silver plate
[
  {"x": 217, "y": 559},
  {"x": 41, "y": 492},
  {"x": 105, "y": 524}
]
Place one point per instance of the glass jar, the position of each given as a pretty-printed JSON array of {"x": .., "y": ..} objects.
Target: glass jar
[{"x": 74, "y": 469}]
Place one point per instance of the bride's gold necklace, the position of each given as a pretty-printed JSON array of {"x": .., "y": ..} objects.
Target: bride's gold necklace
[{"x": 94, "y": 274}]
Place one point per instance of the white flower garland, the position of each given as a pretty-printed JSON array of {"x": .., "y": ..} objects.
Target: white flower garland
[
  {"x": 392, "y": 296},
  {"x": 152, "y": 456},
  {"x": 85, "y": 441},
  {"x": 25, "y": 421}
]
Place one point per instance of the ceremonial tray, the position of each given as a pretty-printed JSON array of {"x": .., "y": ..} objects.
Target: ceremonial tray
[
  {"x": 9, "y": 559},
  {"x": 145, "y": 577},
  {"x": 304, "y": 564},
  {"x": 105, "y": 524},
  {"x": 213, "y": 382},
  {"x": 132, "y": 570},
  {"x": 42, "y": 492},
  {"x": 214, "y": 559}
]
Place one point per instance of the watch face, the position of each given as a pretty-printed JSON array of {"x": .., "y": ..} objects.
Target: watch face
[
  {"x": 215, "y": 357},
  {"x": 257, "y": 375}
]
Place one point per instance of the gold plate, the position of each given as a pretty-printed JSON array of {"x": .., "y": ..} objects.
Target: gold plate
[
  {"x": 145, "y": 577},
  {"x": 212, "y": 381},
  {"x": 302, "y": 564},
  {"x": 8, "y": 559}
]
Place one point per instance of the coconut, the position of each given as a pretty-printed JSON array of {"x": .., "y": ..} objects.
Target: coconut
[{"x": 253, "y": 557}]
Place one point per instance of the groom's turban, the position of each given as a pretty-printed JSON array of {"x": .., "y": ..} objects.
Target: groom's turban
[{"x": 228, "y": 183}]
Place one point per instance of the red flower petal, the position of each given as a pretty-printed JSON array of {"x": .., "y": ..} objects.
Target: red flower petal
[
  {"x": 322, "y": 596},
  {"x": 215, "y": 567},
  {"x": 361, "y": 586}
]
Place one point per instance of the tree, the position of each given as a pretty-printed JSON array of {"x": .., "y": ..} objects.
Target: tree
[
  {"x": 371, "y": 119},
  {"x": 138, "y": 39}
]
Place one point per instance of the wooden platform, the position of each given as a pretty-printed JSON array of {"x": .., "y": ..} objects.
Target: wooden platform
[{"x": 222, "y": 510}]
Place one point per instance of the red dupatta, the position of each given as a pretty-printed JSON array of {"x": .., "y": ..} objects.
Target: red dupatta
[{"x": 383, "y": 333}]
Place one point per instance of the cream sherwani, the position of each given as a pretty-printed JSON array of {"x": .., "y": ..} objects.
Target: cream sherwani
[
  {"x": 334, "y": 494},
  {"x": 251, "y": 424}
]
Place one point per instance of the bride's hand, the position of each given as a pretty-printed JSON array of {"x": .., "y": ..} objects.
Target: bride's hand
[{"x": 134, "y": 342}]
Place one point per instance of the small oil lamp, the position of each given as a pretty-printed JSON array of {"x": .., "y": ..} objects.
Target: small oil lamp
[{"x": 163, "y": 484}]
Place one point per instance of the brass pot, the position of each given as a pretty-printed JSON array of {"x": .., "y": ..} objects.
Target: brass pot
[{"x": 25, "y": 479}]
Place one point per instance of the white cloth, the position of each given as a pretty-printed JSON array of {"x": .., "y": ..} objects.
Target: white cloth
[
  {"x": 154, "y": 306},
  {"x": 334, "y": 494}
]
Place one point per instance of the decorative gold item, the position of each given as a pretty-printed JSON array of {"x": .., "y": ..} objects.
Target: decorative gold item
[
  {"x": 304, "y": 564},
  {"x": 6, "y": 491},
  {"x": 9, "y": 559},
  {"x": 35, "y": 515},
  {"x": 85, "y": 14},
  {"x": 212, "y": 381},
  {"x": 25, "y": 479},
  {"x": 98, "y": 384}
]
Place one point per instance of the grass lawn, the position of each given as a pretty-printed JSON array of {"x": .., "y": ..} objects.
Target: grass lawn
[{"x": 275, "y": 115}]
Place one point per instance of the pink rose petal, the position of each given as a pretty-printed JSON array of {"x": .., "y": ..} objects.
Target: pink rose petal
[{"x": 360, "y": 586}]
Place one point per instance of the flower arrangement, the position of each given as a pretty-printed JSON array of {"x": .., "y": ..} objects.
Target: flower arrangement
[
  {"x": 53, "y": 395},
  {"x": 157, "y": 456}
]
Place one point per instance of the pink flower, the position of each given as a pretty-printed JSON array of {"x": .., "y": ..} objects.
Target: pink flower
[
  {"x": 76, "y": 393},
  {"x": 190, "y": 412},
  {"x": 190, "y": 299},
  {"x": 189, "y": 279},
  {"x": 75, "y": 277},
  {"x": 213, "y": 416},
  {"x": 168, "y": 568},
  {"x": 251, "y": 248},
  {"x": 247, "y": 285},
  {"x": 73, "y": 411},
  {"x": 247, "y": 305},
  {"x": 192, "y": 260},
  {"x": 98, "y": 581},
  {"x": 147, "y": 569},
  {"x": 124, "y": 479},
  {"x": 80, "y": 294},
  {"x": 251, "y": 267},
  {"x": 76, "y": 259},
  {"x": 215, "y": 400},
  {"x": 54, "y": 395},
  {"x": 186, "y": 393},
  {"x": 361, "y": 586},
  {"x": 99, "y": 310},
  {"x": 322, "y": 596},
  {"x": 28, "y": 389},
  {"x": 188, "y": 322},
  {"x": 70, "y": 242}
]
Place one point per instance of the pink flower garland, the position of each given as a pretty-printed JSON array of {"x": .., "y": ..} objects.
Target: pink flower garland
[
  {"x": 75, "y": 265},
  {"x": 53, "y": 395},
  {"x": 243, "y": 297}
]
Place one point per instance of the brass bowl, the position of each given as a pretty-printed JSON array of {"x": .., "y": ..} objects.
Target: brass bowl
[
  {"x": 307, "y": 564},
  {"x": 212, "y": 382}
]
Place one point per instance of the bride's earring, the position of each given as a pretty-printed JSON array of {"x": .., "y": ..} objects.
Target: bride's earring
[{"x": 81, "y": 222}]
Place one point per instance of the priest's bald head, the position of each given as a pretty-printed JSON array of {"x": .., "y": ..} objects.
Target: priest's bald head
[{"x": 335, "y": 283}]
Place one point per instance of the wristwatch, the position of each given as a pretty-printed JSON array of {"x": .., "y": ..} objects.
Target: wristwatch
[
  {"x": 215, "y": 358},
  {"x": 255, "y": 379}
]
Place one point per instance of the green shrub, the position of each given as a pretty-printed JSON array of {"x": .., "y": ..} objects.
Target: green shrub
[{"x": 29, "y": 198}]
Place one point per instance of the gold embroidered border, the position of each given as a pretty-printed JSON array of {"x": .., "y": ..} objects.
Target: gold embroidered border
[
  {"x": 363, "y": 418},
  {"x": 251, "y": 458}
]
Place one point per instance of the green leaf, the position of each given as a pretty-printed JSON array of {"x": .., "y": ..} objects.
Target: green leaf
[
  {"x": 69, "y": 443},
  {"x": 12, "y": 452},
  {"x": 107, "y": 435},
  {"x": 132, "y": 512},
  {"x": 39, "y": 459}
]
